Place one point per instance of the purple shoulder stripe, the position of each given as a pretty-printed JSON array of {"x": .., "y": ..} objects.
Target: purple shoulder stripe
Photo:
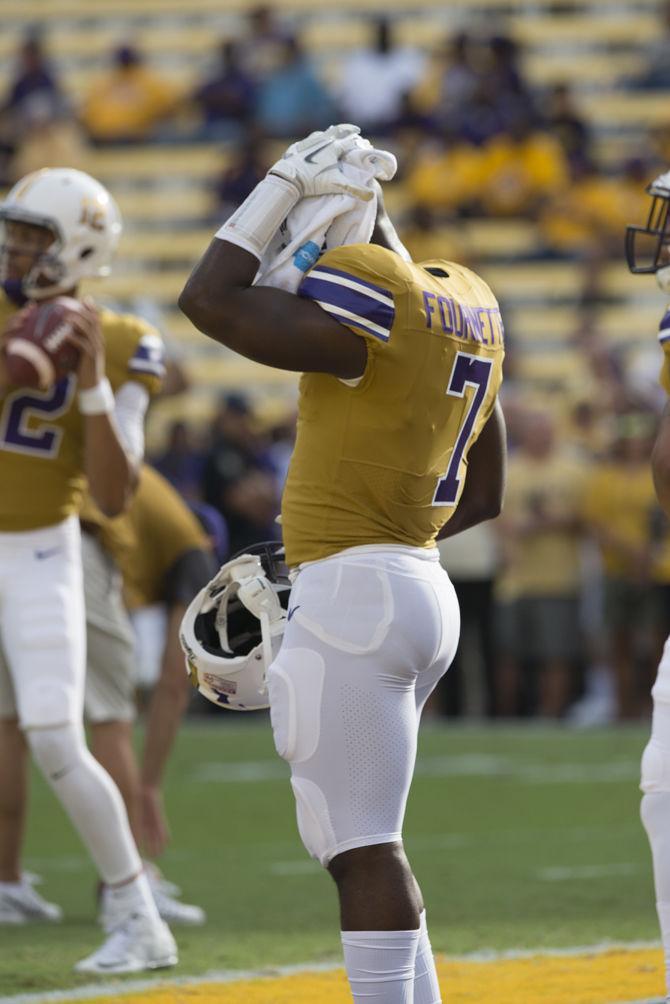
[{"x": 353, "y": 278}]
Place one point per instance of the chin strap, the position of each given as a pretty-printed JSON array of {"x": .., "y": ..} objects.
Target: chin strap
[
  {"x": 14, "y": 291},
  {"x": 246, "y": 577},
  {"x": 261, "y": 600}
]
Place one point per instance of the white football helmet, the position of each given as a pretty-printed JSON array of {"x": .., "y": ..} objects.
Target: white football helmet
[
  {"x": 83, "y": 217},
  {"x": 648, "y": 247},
  {"x": 233, "y": 628}
]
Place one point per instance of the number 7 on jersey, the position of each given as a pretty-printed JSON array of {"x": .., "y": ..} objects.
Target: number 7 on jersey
[{"x": 468, "y": 371}]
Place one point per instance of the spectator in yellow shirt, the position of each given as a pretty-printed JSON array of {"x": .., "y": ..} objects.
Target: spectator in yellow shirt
[
  {"x": 521, "y": 169},
  {"x": 621, "y": 511},
  {"x": 126, "y": 104},
  {"x": 538, "y": 591}
]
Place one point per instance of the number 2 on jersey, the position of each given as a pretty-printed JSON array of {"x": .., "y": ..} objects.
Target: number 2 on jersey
[
  {"x": 468, "y": 371},
  {"x": 43, "y": 438}
]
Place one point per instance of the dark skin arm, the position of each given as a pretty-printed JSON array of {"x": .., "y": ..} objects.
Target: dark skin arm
[
  {"x": 267, "y": 325},
  {"x": 482, "y": 495},
  {"x": 660, "y": 461}
]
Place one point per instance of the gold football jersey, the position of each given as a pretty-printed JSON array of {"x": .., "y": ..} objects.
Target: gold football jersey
[
  {"x": 42, "y": 432},
  {"x": 146, "y": 540},
  {"x": 383, "y": 460}
]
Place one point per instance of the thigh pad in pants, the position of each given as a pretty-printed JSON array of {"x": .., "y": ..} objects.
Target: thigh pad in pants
[{"x": 295, "y": 686}]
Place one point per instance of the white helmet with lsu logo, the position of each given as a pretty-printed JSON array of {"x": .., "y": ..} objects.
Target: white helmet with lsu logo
[
  {"x": 233, "y": 628},
  {"x": 83, "y": 217}
]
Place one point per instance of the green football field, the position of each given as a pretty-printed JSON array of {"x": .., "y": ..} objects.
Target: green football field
[{"x": 521, "y": 837}]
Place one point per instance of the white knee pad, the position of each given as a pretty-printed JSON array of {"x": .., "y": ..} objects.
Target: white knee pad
[
  {"x": 655, "y": 774},
  {"x": 314, "y": 825},
  {"x": 295, "y": 687},
  {"x": 46, "y": 705},
  {"x": 56, "y": 750}
]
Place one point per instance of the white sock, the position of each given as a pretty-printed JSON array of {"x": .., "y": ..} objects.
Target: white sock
[
  {"x": 133, "y": 897},
  {"x": 655, "y": 811},
  {"x": 90, "y": 798},
  {"x": 426, "y": 986},
  {"x": 380, "y": 965}
]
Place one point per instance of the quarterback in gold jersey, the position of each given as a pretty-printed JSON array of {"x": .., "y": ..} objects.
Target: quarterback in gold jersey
[
  {"x": 400, "y": 441},
  {"x": 58, "y": 227}
]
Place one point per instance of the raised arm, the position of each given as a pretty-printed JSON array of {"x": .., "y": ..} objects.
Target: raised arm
[
  {"x": 482, "y": 495},
  {"x": 267, "y": 325}
]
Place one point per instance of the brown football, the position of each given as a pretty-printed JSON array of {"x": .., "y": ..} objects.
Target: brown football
[{"x": 37, "y": 348}]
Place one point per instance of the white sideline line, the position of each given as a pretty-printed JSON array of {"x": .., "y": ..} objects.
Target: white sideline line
[{"x": 233, "y": 976}]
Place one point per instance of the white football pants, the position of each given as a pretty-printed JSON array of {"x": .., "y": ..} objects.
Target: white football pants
[{"x": 370, "y": 632}]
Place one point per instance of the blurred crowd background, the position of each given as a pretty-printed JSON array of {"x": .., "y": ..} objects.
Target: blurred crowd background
[{"x": 525, "y": 133}]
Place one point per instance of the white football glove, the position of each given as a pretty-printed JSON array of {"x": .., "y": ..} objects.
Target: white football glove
[{"x": 314, "y": 166}]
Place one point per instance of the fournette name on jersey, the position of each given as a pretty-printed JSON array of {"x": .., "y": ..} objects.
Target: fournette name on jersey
[
  {"x": 383, "y": 459},
  {"x": 42, "y": 432}
]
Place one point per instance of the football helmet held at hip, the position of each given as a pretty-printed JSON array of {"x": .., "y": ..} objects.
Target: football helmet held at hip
[{"x": 233, "y": 628}]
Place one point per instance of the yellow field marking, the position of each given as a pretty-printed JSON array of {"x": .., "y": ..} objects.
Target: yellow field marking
[{"x": 611, "y": 977}]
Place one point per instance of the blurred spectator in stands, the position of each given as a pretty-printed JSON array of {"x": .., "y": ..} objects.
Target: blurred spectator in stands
[
  {"x": 182, "y": 462},
  {"x": 482, "y": 118},
  {"x": 458, "y": 162},
  {"x": 291, "y": 100},
  {"x": 589, "y": 215},
  {"x": 450, "y": 82},
  {"x": 540, "y": 535},
  {"x": 127, "y": 104},
  {"x": 471, "y": 559},
  {"x": 214, "y": 526},
  {"x": 512, "y": 93},
  {"x": 226, "y": 99},
  {"x": 567, "y": 125},
  {"x": 425, "y": 237},
  {"x": 622, "y": 513},
  {"x": 248, "y": 166},
  {"x": 34, "y": 87},
  {"x": 522, "y": 168},
  {"x": 280, "y": 448},
  {"x": 656, "y": 58},
  {"x": 262, "y": 49},
  {"x": 236, "y": 480},
  {"x": 374, "y": 81},
  {"x": 33, "y": 94},
  {"x": 47, "y": 138}
]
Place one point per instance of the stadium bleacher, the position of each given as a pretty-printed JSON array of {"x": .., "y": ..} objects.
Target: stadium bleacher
[{"x": 593, "y": 44}]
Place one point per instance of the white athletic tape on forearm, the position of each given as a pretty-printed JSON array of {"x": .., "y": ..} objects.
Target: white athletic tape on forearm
[{"x": 257, "y": 220}]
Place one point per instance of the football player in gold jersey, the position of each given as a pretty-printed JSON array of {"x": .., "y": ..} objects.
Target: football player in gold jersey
[
  {"x": 164, "y": 557},
  {"x": 60, "y": 226},
  {"x": 401, "y": 369},
  {"x": 648, "y": 251}
]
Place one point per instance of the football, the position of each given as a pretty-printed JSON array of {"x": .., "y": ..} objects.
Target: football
[{"x": 37, "y": 348}]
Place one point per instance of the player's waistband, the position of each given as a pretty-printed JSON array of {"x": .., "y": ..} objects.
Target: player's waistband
[
  {"x": 43, "y": 536},
  {"x": 429, "y": 554}
]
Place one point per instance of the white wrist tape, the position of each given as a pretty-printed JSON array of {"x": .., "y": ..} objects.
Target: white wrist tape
[
  {"x": 253, "y": 225},
  {"x": 98, "y": 400}
]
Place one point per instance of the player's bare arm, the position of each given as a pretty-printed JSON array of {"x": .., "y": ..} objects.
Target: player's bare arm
[
  {"x": 267, "y": 325},
  {"x": 111, "y": 473},
  {"x": 484, "y": 489},
  {"x": 166, "y": 707}
]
